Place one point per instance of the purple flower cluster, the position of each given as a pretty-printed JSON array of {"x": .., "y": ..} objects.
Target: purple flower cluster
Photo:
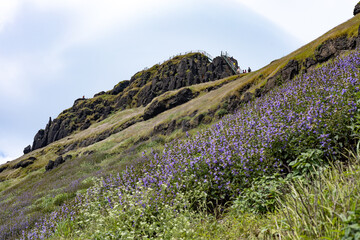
[{"x": 310, "y": 112}]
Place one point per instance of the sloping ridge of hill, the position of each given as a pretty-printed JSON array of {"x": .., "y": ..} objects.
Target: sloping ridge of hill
[
  {"x": 140, "y": 90},
  {"x": 109, "y": 132}
]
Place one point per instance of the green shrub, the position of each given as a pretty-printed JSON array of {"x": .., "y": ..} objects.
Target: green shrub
[
  {"x": 352, "y": 228},
  {"x": 222, "y": 112},
  {"x": 262, "y": 196},
  {"x": 61, "y": 198},
  {"x": 308, "y": 161}
]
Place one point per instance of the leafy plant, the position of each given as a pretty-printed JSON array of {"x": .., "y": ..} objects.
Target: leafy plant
[
  {"x": 352, "y": 228},
  {"x": 309, "y": 161},
  {"x": 262, "y": 196},
  {"x": 222, "y": 112}
]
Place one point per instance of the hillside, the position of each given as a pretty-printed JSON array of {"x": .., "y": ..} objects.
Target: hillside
[{"x": 148, "y": 126}]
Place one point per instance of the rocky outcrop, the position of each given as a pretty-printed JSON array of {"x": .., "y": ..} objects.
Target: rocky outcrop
[
  {"x": 27, "y": 149},
  {"x": 357, "y": 9},
  {"x": 140, "y": 90},
  {"x": 333, "y": 47},
  {"x": 120, "y": 87},
  {"x": 83, "y": 113},
  {"x": 173, "y": 74},
  {"x": 58, "y": 161},
  {"x": 24, "y": 163},
  {"x": 159, "y": 106},
  {"x": 287, "y": 73},
  {"x": 2, "y": 169}
]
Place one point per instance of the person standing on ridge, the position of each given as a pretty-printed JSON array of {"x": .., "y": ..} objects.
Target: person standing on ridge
[
  {"x": 249, "y": 69},
  {"x": 238, "y": 71}
]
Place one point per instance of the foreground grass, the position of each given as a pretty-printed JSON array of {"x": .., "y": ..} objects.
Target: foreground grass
[{"x": 322, "y": 206}]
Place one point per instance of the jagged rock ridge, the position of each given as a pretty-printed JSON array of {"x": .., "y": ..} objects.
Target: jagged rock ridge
[{"x": 140, "y": 90}]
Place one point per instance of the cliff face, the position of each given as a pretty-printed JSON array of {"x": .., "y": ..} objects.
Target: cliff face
[{"x": 140, "y": 90}]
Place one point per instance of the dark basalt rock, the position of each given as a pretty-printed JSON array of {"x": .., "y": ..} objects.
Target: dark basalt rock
[
  {"x": 158, "y": 107},
  {"x": 309, "y": 62},
  {"x": 2, "y": 169},
  {"x": 24, "y": 163},
  {"x": 332, "y": 48},
  {"x": 290, "y": 70},
  {"x": 119, "y": 87},
  {"x": 49, "y": 166},
  {"x": 287, "y": 73},
  {"x": 58, "y": 161},
  {"x": 27, "y": 149},
  {"x": 357, "y": 9}
]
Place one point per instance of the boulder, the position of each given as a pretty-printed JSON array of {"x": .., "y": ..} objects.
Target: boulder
[
  {"x": 53, "y": 164},
  {"x": 58, "y": 161},
  {"x": 24, "y": 163},
  {"x": 357, "y": 9},
  {"x": 290, "y": 70},
  {"x": 39, "y": 140},
  {"x": 49, "y": 166},
  {"x": 27, "y": 149}
]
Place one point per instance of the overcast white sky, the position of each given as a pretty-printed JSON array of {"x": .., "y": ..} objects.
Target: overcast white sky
[{"x": 54, "y": 51}]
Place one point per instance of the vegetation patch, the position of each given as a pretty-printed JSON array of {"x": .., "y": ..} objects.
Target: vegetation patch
[{"x": 300, "y": 125}]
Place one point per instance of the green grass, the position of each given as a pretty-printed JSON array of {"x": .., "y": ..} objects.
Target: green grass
[{"x": 321, "y": 206}]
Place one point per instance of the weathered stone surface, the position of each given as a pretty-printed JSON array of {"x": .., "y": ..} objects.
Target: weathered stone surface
[
  {"x": 357, "y": 9},
  {"x": 2, "y": 169},
  {"x": 39, "y": 140},
  {"x": 53, "y": 164},
  {"x": 119, "y": 87},
  {"x": 158, "y": 107},
  {"x": 290, "y": 70},
  {"x": 332, "y": 47},
  {"x": 58, "y": 161},
  {"x": 27, "y": 149},
  {"x": 25, "y": 163},
  {"x": 49, "y": 166},
  {"x": 309, "y": 62}
]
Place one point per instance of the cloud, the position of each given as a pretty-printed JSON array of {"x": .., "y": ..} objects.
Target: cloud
[
  {"x": 11, "y": 86},
  {"x": 305, "y": 19},
  {"x": 91, "y": 19},
  {"x": 8, "y": 11}
]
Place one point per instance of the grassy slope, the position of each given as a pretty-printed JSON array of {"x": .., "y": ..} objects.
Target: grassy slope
[
  {"x": 257, "y": 79},
  {"x": 17, "y": 180}
]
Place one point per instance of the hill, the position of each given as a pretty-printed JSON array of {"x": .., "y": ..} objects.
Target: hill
[{"x": 117, "y": 129}]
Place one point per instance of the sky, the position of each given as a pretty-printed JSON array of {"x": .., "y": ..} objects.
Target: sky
[{"x": 55, "y": 51}]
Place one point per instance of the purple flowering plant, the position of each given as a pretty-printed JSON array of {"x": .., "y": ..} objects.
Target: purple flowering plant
[{"x": 214, "y": 166}]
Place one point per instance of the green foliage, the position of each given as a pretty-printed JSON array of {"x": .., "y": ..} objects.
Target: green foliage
[
  {"x": 221, "y": 112},
  {"x": 352, "y": 228},
  {"x": 262, "y": 196},
  {"x": 308, "y": 161},
  {"x": 130, "y": 219},
  {"x": 61, "y": 198},
  {"x": 355, "y": 121},
  {"x": 64, "y": 230}
]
